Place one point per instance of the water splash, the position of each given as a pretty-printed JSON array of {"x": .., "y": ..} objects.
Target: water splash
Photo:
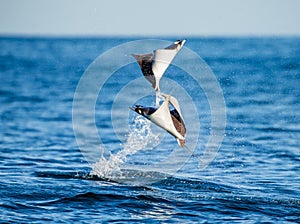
[
  {"x": 140, "y": 137},
  {"x": 159, "y": 99}
]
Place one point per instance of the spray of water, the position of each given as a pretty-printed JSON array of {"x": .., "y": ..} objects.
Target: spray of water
[{"x": 140, "y": 137}]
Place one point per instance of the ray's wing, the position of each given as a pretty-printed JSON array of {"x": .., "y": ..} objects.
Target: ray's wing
[
  {"x": 174, "y": 102},
  {"x": 177, "y": 116},
  {"x": 178, "y": 122},
  {"x": 161, "y": 117},
  {"x": 145, "y": 61},
  {"x": 163, "y": 57}
]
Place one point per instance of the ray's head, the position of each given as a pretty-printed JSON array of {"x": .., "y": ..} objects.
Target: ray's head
[
  {"x": 138, "y": 109},
  {"x": 180, "y": 42},
  {"x": 144, "y": 111}
]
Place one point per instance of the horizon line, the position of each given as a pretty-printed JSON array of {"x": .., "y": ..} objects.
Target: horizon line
[{"x": 133, "y": 36}]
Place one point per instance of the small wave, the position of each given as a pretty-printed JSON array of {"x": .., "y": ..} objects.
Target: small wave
[
  {"x": 132, "y": 177},
  {"x": 11, "y": 97},
  {"x": 278, "y": 129},
  {"x": 69, "y": 175},
  {"x": 84, "y": 197}
]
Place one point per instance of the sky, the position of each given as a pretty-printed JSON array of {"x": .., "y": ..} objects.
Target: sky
[{"x": 150, "y": 18}]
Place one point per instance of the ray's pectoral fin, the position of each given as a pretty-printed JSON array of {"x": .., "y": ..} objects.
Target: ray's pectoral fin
[
  {"x": 176, "y": 114},
  {"x": 178, "y": 122},
  {"x": 162, "y": 58},
  {"x": 145, "y": 62}
]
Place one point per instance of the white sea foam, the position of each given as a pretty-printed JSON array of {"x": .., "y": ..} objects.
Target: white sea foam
[{"x": 140, "y": 137}]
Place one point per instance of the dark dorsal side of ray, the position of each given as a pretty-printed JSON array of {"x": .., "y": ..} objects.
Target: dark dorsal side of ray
[
  {"x": 144, "y": 111},
  {"x": 149, "y": 110},
  {"x": 145, "y": 61},
  {"x": 178, "y": 122}
]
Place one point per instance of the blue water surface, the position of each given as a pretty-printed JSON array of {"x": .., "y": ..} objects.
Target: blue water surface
[{"x": 254, "y": 178}]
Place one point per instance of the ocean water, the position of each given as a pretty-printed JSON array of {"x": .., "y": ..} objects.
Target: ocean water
[{"x": 46, "y": 177}]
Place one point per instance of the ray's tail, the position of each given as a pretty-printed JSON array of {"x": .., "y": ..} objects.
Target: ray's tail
[{"x": 193, "y": 154}]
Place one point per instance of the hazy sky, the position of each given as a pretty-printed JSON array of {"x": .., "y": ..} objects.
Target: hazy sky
[{"x": 152, "y": 17}]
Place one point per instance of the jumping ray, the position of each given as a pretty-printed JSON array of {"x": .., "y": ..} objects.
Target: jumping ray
[
  {"x": 171, "y": 121},
  {"x": 154, "y": 65}
]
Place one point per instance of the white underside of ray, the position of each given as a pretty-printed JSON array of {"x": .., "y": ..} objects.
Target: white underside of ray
[
  {"x": 174, "y": 102},
  {"x": 162, "y": 118},
  {"x": 161, "y": 61},
  {"x": 162, "y": 58}
]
